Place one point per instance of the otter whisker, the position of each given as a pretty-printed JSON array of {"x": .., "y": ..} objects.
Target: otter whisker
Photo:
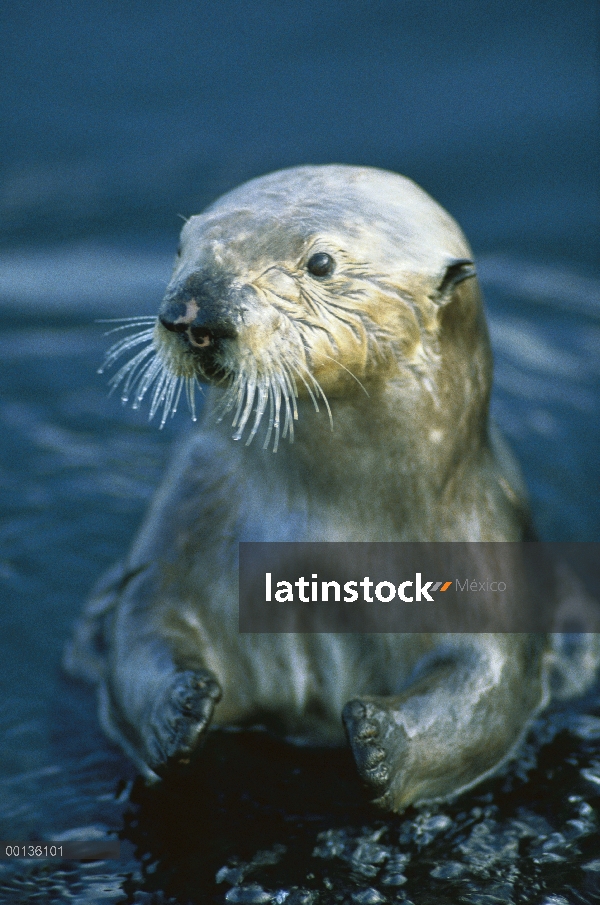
[
  {"x": 145, "y": 368},
  {"x": 163, "y": 395},
  {"x": 146, "y": 318},
  {"x": 325, "y": 400},
  {"x": 293, "y": 389},
  {"x": 123, "y": 345},
  {"x": 180, "y": 383},
  {"x": 159, "y": 392},
  {"x": 146, "y": 381},
  {"x": 130, "y": 324},
  {"x": 250, "y": 394},
  {"x": 263, "y": 396},
  {"x": 168, "y": 398},
  {"x": 240, "y": 387},
  {"x": 172, "y": 384},
  {"x": 190, "y": 392},
  {"x": 148, "y": 373},
  {"x": 277, "y": 395},
  {"x": 116, "y": 379},
  {"x": 271, "y": 415},
  {"x": 289, "y": 421},
  {"x": 129, "y": 370},
  {"x": 237, "y": 394},
  {"x": 308, "y": 389},
  {"x": 139, "y": 367},
  {"x": 138, "y": 319},
  {"x": 135, "y": 379},
  {"x": 354, "y": 377},
  {"x": 125, "y": 327},
  {"x": 255, "y": 390},
  {"x": 228, "y": 400},
  {"x": 319, "y": 390},
  {"x": 167, "y": 394}
]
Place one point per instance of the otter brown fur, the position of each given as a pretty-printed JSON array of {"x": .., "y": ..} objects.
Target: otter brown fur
[{"x": 349, "y": 290}]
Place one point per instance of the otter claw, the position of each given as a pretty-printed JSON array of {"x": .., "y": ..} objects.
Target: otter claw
[
  {"x": 181, "y": 717},
  {"x": 364, "y": 733}
]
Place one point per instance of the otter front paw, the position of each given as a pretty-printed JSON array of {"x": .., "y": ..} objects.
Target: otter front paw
[
  {"x": 371, "y": 734},
  {"x": 180, "y": 717}
]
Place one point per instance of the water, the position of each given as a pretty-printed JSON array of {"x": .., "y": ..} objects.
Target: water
[{"x": 114, "y": 123}]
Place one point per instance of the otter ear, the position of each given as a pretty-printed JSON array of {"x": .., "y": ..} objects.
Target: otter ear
[{"x": 456, "y": 271}]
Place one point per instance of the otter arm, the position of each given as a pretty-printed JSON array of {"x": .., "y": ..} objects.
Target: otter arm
[
  {"x": 156, "y": 695},
  {"x": 462, "y": 714}
]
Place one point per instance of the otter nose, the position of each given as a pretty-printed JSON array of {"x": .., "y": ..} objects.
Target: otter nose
[
  {"x": 201, "y": 309},
  {"x": 175, "y": 316}
]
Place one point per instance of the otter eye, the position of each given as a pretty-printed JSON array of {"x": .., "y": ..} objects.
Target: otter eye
[{"x": 320, "y": 264}]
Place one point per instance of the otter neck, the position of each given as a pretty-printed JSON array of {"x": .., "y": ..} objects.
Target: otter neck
[{"x": 377, "y": 474}]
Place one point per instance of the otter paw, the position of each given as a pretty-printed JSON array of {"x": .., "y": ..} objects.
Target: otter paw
[
  {"x": 181, "y": 717},
  {"x": 371, "y": 732}
]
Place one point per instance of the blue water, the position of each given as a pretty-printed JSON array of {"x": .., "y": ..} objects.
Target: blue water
[{"x": 114, "y": 121}]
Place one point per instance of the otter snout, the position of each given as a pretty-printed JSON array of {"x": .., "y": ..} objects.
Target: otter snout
[
  {"x": 199, "y": 309},
  {"x": 175, "y": 316}
]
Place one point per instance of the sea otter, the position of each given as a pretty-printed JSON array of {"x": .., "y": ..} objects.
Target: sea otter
[{"x": 333, "y": 315}]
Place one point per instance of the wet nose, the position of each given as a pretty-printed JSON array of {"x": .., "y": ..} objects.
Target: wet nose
[
  {"x": 201, "y": 309},
  {"x": 174, "y": 317}
]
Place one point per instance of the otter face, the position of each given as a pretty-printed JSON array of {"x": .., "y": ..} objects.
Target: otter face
[{"x": 312, "y": 282}]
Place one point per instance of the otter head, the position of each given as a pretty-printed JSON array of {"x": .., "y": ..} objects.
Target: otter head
[{"x": 316, "y": 282}]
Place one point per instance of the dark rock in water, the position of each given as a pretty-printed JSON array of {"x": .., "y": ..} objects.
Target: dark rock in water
[
  {"x": 248, "y": 895},
  {"x": 286, "y": 827}
]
